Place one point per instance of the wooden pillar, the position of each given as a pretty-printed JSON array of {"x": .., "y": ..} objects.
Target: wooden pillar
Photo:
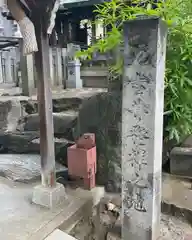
[
  {"x": 64, "y": 65},
  {"x": 44, "y": 96},
  {"x": 142, "y": 127}
]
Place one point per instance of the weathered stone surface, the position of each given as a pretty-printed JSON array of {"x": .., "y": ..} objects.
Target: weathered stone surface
[
  {"x": 181, "y": 162},
  {"x": 23, "y": 167},
  {"x": 30, "y": 106},
  {"x": 101, "y": 114},
  {"x": 29, "y": 142},
  {"x": 19, "y": 142},
  {"x": 72, "y": 98},
  {"x": 11, "y": 112},
  {"x": 112, "y": 236},
  {"x": 142, "y": 127},
  {"x": 64, "y": 123}
]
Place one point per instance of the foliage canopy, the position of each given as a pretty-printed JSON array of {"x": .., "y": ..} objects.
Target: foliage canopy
[{"x": 178, "y": 80}]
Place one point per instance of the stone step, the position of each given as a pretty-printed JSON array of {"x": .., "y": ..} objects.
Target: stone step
[
  {"x": 63, "y": 99},
  {"x": 59, "y": 235},
  {"x": 24, "y": 167},
  {"x": 176, "y": 197},
  {"x": 29, "y": 143},
  {"x": 63, "y": 123}
]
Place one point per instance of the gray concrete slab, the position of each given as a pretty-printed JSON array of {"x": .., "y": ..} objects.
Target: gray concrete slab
[
  {"x": 49, "y": 197},
  {"x": 22, "y": 220},
  {"x": 59, "y": 235}
]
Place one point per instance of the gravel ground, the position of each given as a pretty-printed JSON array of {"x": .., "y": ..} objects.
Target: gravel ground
[{"x": 173, "y": 228}]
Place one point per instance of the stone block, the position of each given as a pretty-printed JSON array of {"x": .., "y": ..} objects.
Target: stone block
[
  {"x": 49, "y": 197},
  {"x": 181, "y": 162},
  {"x": 63, "y": 123},
  {"x": 74, "y": 75}
]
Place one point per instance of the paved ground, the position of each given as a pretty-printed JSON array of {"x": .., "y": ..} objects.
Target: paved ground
[
  {"x": 177, "y": 196},
  {"x": 22, "y": 220},
  {"x": 177, "y": 191},
  {"x": 174, "y": 228}
]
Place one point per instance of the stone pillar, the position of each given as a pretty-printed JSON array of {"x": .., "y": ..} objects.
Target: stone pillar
[
  {"x": 59, "y": 67},
  {"x": 1, "y": 71},
  {"x": 51, "y": 66},
  {"x": 74, "y": 74},
  {"x": 8, "y": 68},
  {"x": 27, "y": 74},
  {"x": 142, "y": 127},
  {"x": 64, "y": 65}
]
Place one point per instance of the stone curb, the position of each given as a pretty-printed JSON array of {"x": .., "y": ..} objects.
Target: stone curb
[{"x": 173, "y": 210}]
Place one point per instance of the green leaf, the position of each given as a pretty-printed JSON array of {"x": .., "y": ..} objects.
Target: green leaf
[{"x": 178, "y": 79}]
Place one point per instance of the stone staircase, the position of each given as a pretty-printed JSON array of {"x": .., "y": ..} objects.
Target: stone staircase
[
  {"x": 19, "y": 122},
  {"x": 19, "y": 140},
  {"x": 75, "y": 112}
]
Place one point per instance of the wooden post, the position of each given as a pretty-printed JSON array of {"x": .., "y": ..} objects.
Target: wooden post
[{"x": 44, "y": 96}]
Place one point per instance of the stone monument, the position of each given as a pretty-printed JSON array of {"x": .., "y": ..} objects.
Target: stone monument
[
  {"x": 142, "y": 127},
  {"x": 73, "y": 67}
]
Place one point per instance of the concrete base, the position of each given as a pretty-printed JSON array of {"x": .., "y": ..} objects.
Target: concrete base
[
  {"x": 21, "y": 220},
  {"x": 49, "y": 197}
]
